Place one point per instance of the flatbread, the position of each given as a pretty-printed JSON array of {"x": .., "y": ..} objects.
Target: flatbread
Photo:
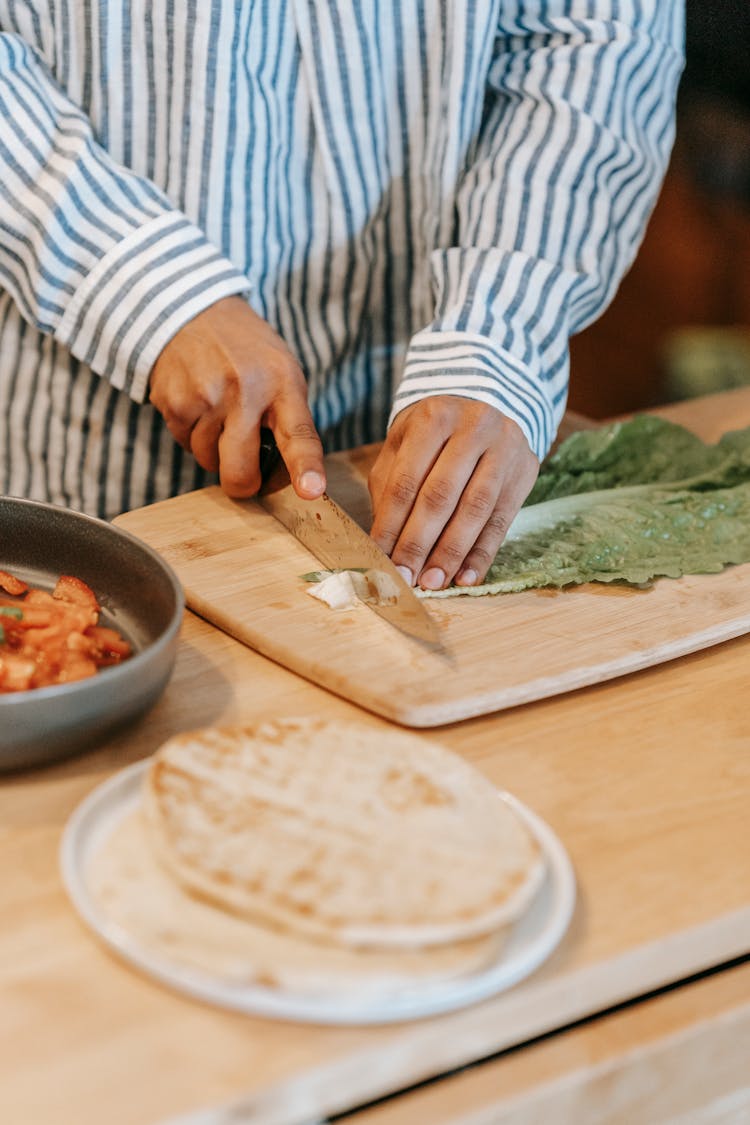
[
  {"x": 340, "y": 833},
  {"x": 159, "y": 918}
]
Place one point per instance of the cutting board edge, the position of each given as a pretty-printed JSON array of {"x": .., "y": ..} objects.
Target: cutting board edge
[
  {"x": 424, "y": 716},
  {"x": 431, "y": 713}
]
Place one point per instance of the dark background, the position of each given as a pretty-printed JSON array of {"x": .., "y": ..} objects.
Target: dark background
[{"x": 680, "y": 324}]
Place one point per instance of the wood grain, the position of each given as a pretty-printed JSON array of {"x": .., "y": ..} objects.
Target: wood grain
[
  {"x": 680, "y": 1056},
  {"x": 645, "y": 778},
  {"x": 242, "y": 571}
]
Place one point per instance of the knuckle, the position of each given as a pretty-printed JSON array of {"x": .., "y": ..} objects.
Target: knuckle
[
  {"x": 479, "y": 504},
  {"x": 239, "y": 484},
  {"x": 180, "y": 431},
  {"x": 410, "y": 552},
  {"x": 394, "y": 439},
  {"x": 384, "y": 536},
  {"x": 284, "y": 370},
  {"x": 437, "y": 495},
  {"x": 206, "y": 459},
  {"x": 439, "y": 412},
  {"x": 177, "y": 413},
  {"x": 481, "y": 557},
  {"x": 299, "y": 431},
  {"x": 499, "y": 522},
  {"x": 187, "y": 404},
  {"x": 404, "y": 489},
  {"x": 451, "y": 554},
  {"x": 476, "y": 418},
  {"x": 489, "y": 417},
  {"x": 434, "y": 413}
]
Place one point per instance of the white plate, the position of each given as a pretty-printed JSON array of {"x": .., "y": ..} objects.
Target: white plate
[{"x": 530, "y": 941}]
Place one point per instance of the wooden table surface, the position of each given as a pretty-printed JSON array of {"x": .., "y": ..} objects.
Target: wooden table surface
[
  {"x": 678, "y": 1057},
  {"x": 646, "y": 779}
]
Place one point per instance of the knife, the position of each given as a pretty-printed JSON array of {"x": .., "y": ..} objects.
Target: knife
[{"x": 339, "y": 543}]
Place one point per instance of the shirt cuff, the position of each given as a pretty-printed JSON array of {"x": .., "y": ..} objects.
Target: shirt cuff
[
  {"x": 139, "y": 295},
  {"x": 472, "y": 366}
]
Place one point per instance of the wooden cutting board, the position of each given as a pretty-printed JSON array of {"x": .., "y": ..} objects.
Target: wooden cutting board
[{"x": 241, "y": 571}]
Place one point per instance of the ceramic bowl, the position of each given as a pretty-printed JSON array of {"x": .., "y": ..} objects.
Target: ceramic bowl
[{"x": 140, "y": 596}]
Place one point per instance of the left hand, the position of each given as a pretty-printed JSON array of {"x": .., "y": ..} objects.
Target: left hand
[{"x": 447, "y": 484}]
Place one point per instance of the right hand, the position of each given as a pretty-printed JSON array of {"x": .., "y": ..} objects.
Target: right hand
[{"x": 220, "y": 378}]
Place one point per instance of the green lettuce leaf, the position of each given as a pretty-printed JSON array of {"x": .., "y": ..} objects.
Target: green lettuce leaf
[
  {"x": 629, "y": 502},
  {"x": 643, "y": 450}
]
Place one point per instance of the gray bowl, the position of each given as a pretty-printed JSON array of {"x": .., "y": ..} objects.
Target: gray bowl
[{"x": 139, "y": 595}]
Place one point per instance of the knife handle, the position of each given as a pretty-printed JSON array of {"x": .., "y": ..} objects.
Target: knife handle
[{"x": 269, "y": 454}]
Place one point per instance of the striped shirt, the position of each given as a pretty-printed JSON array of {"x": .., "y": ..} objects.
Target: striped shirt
[{"x": 421, "y": 196}]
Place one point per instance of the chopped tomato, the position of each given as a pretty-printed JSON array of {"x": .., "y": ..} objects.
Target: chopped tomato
[
  {"x": 16, "y": 672},
  {"x": 53, "y": 638},
  {"x": 11, "y": 584},
  {"x": 108, "y": 642},
  {"x": 70, "y": 589}
]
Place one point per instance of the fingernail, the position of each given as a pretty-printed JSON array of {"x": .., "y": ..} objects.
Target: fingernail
[
  {"x": 405, "y": 574},
  {"x": 312, "y": 482},
  {"x": 466, "y": 578},
  {"x": 432, "y": 579}
]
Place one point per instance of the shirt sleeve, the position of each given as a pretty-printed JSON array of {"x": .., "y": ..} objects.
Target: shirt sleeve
[
  {"x": 91, "y": 253},
  {"x": 577, "y": 130}
]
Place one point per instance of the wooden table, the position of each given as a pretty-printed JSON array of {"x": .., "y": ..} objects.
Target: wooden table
[{"x": 647, "y": 781}]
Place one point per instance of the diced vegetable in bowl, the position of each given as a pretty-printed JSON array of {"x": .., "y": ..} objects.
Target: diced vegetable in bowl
[{"x": 89, "y": 618}]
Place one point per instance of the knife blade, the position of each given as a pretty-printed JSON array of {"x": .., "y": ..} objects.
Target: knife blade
[{"x": 339, "y": 543}]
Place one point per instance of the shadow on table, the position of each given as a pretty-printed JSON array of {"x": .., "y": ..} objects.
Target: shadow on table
[{"x": 179, "y": 708}]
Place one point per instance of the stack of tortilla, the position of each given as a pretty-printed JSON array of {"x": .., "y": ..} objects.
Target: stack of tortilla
[{"x": 318, "y": 858}]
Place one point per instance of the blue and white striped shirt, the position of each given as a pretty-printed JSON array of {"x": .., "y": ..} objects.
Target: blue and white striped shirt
[{"x": 421, "y": 196}]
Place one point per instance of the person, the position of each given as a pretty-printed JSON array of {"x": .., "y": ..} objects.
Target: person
[{"x": 346, "y": 222}]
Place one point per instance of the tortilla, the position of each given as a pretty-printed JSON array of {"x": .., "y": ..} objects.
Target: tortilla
[
  {"x": 163, "y": 920},
  {"x": 341, "y": 833}
]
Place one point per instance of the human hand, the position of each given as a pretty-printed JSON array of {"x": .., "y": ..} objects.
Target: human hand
[
  {"x": 222, "y": 377},
  {"x": 448, "y": 482}
]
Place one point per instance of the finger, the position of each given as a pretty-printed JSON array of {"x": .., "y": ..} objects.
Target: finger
[
  {"x": 181, "y": 418},
  {"x": 478, "y": 560},
  {"x": 408, "y": 471},
  {"x": 475, "y": 508},
  {"x": 299, "y": 445},
  {"x": 179, "y": 410},
  {"x": 180, "y": 433},
  {"x": 434, "y": 506},
  {"x": 379, "y": 474},
  {"x": 204, "y": 441},
  {"x": 239, "y": 455}
]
